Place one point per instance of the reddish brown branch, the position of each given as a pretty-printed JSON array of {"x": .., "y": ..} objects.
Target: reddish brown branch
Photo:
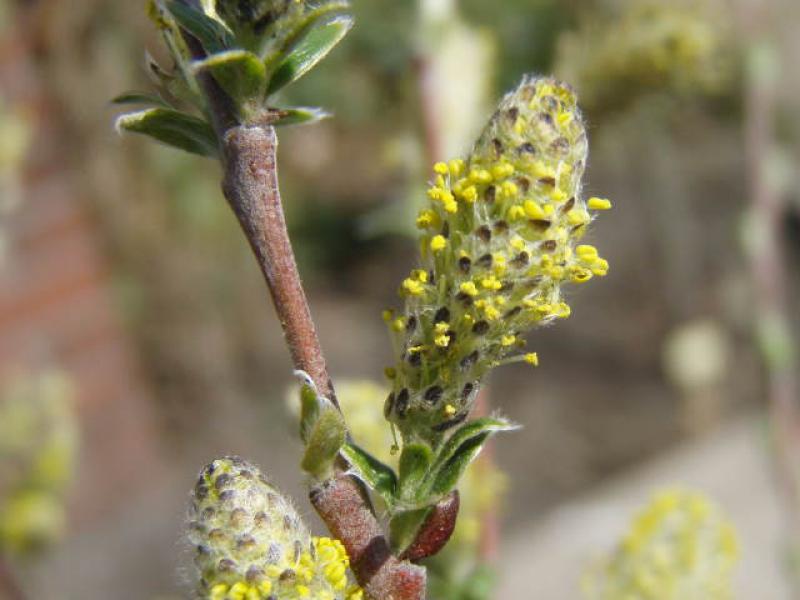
[
  {"x": 343, "y": 506},
  {"x": 251, "y": 187}
]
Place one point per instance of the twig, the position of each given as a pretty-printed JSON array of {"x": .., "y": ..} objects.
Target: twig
[{"x": 251, "y": 187}]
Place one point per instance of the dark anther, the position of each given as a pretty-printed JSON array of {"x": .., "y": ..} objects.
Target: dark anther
[
  {"x": 254, "y": 574},
  {"x": 540, "y": 224},
  {"x": 433, "y": 394},
  {"x": 388, "y": 405},
  {"x": 549, "y": 245},
  {"x": 446, "y": 229},
  {"x": 226, "y": 495},
  {"x": 484, "y": 233},
  {"x": 445, "y": 425},
  {"x": 226, "y": 565},
  {"x": 485, "y": 261},
  {"x": 414, "y": 359},
  {"x": 442, "y": 315},
  {"x": 287, "y": 523},
  {"x": 513, "y": 312},
  {"x": 520, "y": 260},
  {"x": 512, "y": 114},
  {"x": 466, "y": 392},
  {"x": 570, "y": 204},
  {"x": 223, "y": 480},
  {"x": 498, "y": 147},
  {"x": 401, "y": 404},
  {"x": 546, "y": 118},
  {"x": 288, "y": 574},
  {"x": 551, "y": 181},
  {"x": 469, "y": 360},
  {"x": 500, "y": 227},
  {"x": 480, "y": 328},
  {"x": 411, "y": 323},
  {"x": 464, "y": 263},
  {"x": 490, "y": 194},
  {"x": 560, "y": 145},
  {"x": 524, "y": 184},
  {"x": 506, "y": 287},
  {"x": 465, "y": 299},
  {"x": 526, "y": 148},
  {"x": 431, "y": 277}
]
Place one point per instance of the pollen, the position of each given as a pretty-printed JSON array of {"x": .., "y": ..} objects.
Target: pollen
[
  {"x": 595, "y": 203},
  {"x": 438, "y": 242}
]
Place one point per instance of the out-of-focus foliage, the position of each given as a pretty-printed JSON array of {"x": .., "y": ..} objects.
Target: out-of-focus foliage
[
  {"x": 15, "y": 139},
  {"x": 624, "y": 51},
  {"x": 679, "y": 547},
  {"x": 38, "y": 446}
]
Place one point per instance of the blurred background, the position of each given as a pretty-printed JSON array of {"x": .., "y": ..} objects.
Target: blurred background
[{"x": 137, "y": 340}]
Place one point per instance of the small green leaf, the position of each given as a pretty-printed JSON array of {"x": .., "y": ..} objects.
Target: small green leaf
[
  {"x": 309, "y": 410},
  {"x": 447, "y": 476},
  {"x": 212, "y": 35},
  {"x": 375, "y": 474},
  {"x": 240, "y": 73},
  {"x": 323, "y": 444},
  {"x": 404, "y": 526},
  {"x": 138, "y": 98},
  {"x": 173, "y": 128},
  {"x": 414, "y": 463},
  {"x": 309, "y": 50},
  {"x": 457, "y": 452},
  {"x": 299, "y": 116}
]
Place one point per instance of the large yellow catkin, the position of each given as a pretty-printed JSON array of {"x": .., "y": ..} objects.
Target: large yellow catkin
[
  {"x": 250, "y": 543},
  {"x": 679, "y": 547},
  {"x": 499, "y": 239}
]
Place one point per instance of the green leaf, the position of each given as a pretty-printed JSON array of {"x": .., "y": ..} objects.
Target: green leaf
[
  {"x": 299, "y": 116},
  {"x": 138, "y": 98},
  {"x": 309, "y": 410},
  {"x": 404, "y": 526},
  {"x": 212, "y": 35},
  {"x": 309, "y": 50},
  {"x": 414, "y": 463},
  {"x": 324, "y": 442},
  {"x": 457, "y": 452},
  {"x": 375, "y": 474},
  {"x": 173, "y": 128},
  {"x": 240, "y": 73}
]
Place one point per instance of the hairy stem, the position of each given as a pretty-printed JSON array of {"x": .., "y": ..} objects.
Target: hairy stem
[
  {"x": 251, "y": 187},
  {"x": 343, "y": 505}
]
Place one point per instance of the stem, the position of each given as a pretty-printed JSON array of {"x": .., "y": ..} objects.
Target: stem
[
  {"x": 250, "y": 185},
  {"x": 251, "y": 188}
]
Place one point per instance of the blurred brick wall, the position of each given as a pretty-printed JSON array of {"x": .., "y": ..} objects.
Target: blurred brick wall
[{"x": 57, "y": 308}]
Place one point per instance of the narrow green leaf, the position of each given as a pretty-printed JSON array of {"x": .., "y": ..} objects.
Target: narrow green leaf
[
  {"x": 456, "y": 454},
  {"x": 299, "y": 116},
  {"x": 139, "y": 98},
  {"x": 212, "y": 35},
  {"x": 309, "y": 50},
  {"x": 240, "y": 73},
  {"x": 375, "y": 474},
  {"x": 324, "y": 442},
  {"x": 446, "y": 477},
  {"x": 173, "y": 128},
  {"x": 414, "y": 463}
]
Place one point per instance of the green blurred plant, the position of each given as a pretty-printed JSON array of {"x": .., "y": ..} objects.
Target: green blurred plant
[
  {"x": 679, "y": 547},
  {"x": 38, "y": 451},
  {"x": 15, "y": 141},
  {"x": 619, "y": 54}
]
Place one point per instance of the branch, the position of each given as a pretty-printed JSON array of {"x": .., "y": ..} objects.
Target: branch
[
  {"x": 251, "y": 187},
  {"x": 344, "y": 507}
]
